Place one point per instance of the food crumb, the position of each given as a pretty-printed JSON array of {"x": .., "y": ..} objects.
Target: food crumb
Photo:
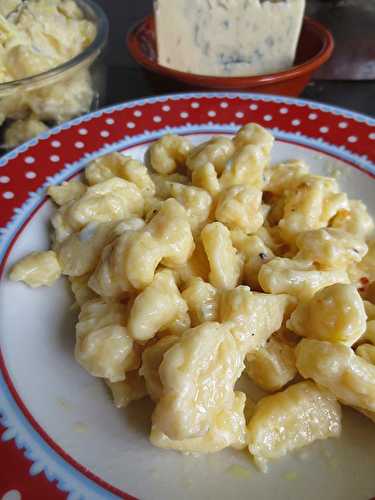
[
  {"x": 80, "y": 427},
  {"x": 331, "y": 460},
  {"x": 290, "y": 476},
  {"x": 64, "y": 404},
  {"x": 188, "y": 483},
  {"x": 155, "y": 474},
  {"x": 238, "y": 471},
  {"x": 334, "y": 171}
]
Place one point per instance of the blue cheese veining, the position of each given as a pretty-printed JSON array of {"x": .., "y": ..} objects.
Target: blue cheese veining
[{"x": 228, "y": 37}]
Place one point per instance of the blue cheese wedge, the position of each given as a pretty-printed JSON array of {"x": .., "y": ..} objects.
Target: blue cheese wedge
[{"x": 228, "y": 37}]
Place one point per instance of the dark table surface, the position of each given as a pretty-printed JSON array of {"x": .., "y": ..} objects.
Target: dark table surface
[{"x": 126, "y": 80}]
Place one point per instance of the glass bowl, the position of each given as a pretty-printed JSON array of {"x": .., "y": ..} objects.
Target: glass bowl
[{"x": 32, "y": 104}]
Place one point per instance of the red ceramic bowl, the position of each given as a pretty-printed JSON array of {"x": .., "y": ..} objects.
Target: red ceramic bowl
[{"x": 314, "y": 49}]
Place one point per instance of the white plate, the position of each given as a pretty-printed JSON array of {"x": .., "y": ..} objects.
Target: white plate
[{"x": 64, "y": 418}]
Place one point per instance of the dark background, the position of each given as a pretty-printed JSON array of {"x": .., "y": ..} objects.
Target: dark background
[{"x": 126, "y": 80}]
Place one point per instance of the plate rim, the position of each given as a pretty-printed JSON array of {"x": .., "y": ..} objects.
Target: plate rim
[{"x": 299, "y": 102}]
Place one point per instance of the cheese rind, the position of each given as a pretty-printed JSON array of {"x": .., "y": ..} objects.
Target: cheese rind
[{"x": 228, "y": 37}]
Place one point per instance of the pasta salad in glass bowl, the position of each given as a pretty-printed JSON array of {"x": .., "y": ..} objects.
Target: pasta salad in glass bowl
[{"x": 51, "y": 69}]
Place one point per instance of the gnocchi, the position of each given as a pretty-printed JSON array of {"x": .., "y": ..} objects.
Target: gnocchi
[
  {"x": 118, "y": 165},
  {"x": 216, "y": 265},
  {"x": 66, "y": 192},
  {"x": 128, "y": 390},
  {"x": 152, "y": 357},
  {"x": 198, "y": 374},
  {"x": 309, "y": 205},
  {"x": 249, "y": 317},
  {"x": 156, "y": 307},
  {"x": 168, "y": 153},
  {"x": 104, "y": 347},
  {"x": 335, "y": 313},
  {"x": 284, "y": 176},
  {"x": 271, "y": 367},
  {"x": 354, "y": 220},
  {"x": 369, "y": 335},
  {"x": 224, "y": 261},
  {"x": 246, "y": 168},
  {"x": 330, "y": 248},
  {"x": 367, "y": 352},
  {"x": 254, "y": 253},
  {"x": 291, "y": 419},
  {"x": 37, "y": 269},
  {"x": 215, "y": 152},
  {"x": 202, "y": 299},
  {"x": 110, "y": 200},
  {"x": 296, "y": 277},
  {"x": 255, "y": 135},
  {"x": 238, "y": 207},
  {"x": 335, "y": 366}
]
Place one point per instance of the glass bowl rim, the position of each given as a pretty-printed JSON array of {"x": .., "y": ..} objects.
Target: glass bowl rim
[{"x": 102, "y": 25}]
